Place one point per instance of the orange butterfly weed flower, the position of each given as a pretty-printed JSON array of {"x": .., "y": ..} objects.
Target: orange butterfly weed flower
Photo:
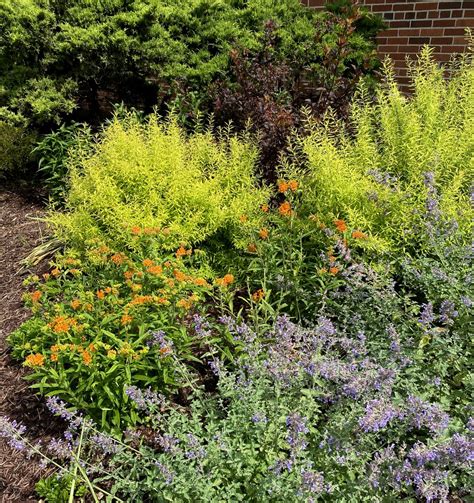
[
  {"x": 293, "y": 185},
  {"x": 126, "y": 319},
  {"x": 148, "y": 262},
  {"x": 100, "y": 294},
  {"x": 243, "y": 218},
  {"x": 56, "y": 272},
  {"x": 36, "y": 360},
  {"x": 252, "y": 248},
  {"x": 283, "y": 187},
  {"x": 181, "y": 252},
  {"x": 136, "y": 230},
  {"x": 228, "y": 279},
  {"x": 62, "y": 324},
  {"x": 179, "y": 275},
  {"x": 200, "y": 282},
  {"x": 128, "y": 274},
  {"x": 156, "y": 270},
  {"x": 264, "y": 208},
  {"x": 334, "y": 270},
  {"x": 54, "y": 357},
  {"x": 359, "y": 235},
  {"x": 258, "y": 295},
  {"x": 263, "y": 233},
  {"x": 86, "y": 358},
  {"x": 341, "y": 226},
  {"x": 36, "y": 296},
  {"x": 285, "y": 209},
  {"x": 75, "y": 304},
  {"x": 118, "y": 258}
]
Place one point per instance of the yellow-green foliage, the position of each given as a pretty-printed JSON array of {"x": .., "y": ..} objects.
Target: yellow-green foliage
[
  {"x": 373, "y": 175},
  {"x": 144, "y": 177}
]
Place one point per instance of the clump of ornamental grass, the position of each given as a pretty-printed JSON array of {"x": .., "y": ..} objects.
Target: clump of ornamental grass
[
  {"x": 151, "y": 175},
  {"x": 380, "y": 172}
]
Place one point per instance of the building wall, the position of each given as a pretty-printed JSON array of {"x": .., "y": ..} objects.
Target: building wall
[{"x": 413, "y": 24}]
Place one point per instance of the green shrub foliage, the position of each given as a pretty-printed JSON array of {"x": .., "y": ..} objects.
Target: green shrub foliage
[{"x": 58, "y": 57}]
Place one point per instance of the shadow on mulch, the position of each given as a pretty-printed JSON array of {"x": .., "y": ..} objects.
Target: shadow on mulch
[{"x": 19, "y": 234}]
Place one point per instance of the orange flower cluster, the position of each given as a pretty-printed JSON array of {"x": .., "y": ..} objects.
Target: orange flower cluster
[
  {"x": 243, "y": 218},
  {"x": 265, "y": 208},
  {"x": 86, "y": 358},
  {"x": 225, "y": 281},
  {"x": 334, "y": 270},
  {"x": 285, "y": 209},
  {"x": 341, "y": 226},
  {"x": 55, "y": 272},
  {"x": 148, "y": 231},
  {"x": 36, "y": 360},
  {"x": 118, "y": 258},
  {"x": 128, "y": 274},
  {"x": 187, "y": 303},
  {"x": 75, "y": 304},
  {"x": 203, "y": 282},
  {"x": 285, "y": 186},
  {"x": 126, "y": 319},
  {"x": 35, "y": 296},
  {"x": 156, "y": 270},
  {"x": 263, "y": 233},
  {"x": 141, "y": 299},
  {"x": 181, "y": 252},
  {"x": 148, "y": 262},
  {"x": 62, "y": 324},
  {"x": 180, "y": 276},
  {"x": 359, "y": 235},
  {"x": 258, "y": 295},
  {"x": 252, "y": 248}
]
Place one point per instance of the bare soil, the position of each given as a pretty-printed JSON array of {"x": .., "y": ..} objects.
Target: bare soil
[{"x": 19, "y": 234}]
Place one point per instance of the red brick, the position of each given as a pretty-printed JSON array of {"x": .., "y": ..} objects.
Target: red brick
[
  {"x": 443, "y": 22},
  {"x": 419, "y": 40},
  {"x": 381, "y": 8},
  {"x": 426, "y": 5},
  {"x": 396, "y": 40},
  {"x": 432, "y": 32},
  {"x": 424, "y": 23},
  {"x": 468, "y": 23},
  {"x": 400, "y": 24},
  {"x": 452, "y": 48},
  {"x": 406, "y": 6},
  {"x": 442, "y": 40},
  {"x": 456, "y": 13},
  {"x": 422, "y": 14},
  {"x": 454, "y": 31},
  {"x": 411, "y": 48},
  {"x": 450, "y": 5}
]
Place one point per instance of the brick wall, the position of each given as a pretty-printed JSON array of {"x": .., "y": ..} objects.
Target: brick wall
[{"x": 413, "y": 24}]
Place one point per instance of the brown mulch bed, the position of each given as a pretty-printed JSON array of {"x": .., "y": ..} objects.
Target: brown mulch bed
[{"x": 19, "y": 234}]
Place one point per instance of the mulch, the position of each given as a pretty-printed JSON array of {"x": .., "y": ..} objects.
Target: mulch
[{"x": 19, "y": 234}]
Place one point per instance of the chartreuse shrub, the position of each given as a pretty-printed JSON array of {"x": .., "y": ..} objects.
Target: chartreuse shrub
[
  {"x": 151, "y": 178},
  {"x": 380, "y": 174}
]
